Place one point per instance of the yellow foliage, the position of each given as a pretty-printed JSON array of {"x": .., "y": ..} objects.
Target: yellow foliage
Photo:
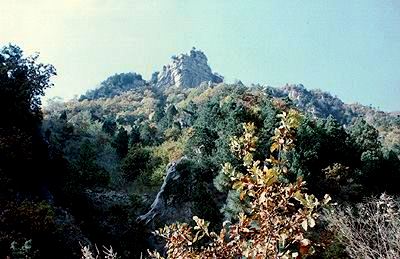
[
  {"x": 171, "y": 150},
  {"x": 279, "y": 216}
]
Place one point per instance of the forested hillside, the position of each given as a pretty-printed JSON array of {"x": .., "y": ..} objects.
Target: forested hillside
[{"x": 132, "y": 156}]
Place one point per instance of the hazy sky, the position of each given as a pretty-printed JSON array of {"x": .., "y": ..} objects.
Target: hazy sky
[{"x": 349, "y": 48}]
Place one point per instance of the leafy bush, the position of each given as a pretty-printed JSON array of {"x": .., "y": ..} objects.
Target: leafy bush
[
  {"x": 106, "y": 253},
  {"x": 26, "y": 220},
  {"x": 276, "y": 217},
  {"x": 370, "y": 229}
]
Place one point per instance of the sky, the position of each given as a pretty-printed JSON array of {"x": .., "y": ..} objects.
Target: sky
[{"x": 349, "y": 48}]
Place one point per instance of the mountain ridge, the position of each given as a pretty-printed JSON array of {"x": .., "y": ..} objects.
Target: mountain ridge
[
  {"x": 191, "y": 71},
  {"x": 184, "y": 70}
]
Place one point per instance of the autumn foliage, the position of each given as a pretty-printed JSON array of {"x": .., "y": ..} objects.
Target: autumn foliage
[{"x": 277, "y": 214}]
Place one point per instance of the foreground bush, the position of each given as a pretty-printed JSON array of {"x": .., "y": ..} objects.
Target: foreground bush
[
  {"x": 276, "y": 215},
  {"x": 106, "y": 253},
  {"x": 371, "y": 229}
]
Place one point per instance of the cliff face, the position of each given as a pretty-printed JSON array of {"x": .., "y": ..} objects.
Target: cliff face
[{"x": 187, "y": 71}]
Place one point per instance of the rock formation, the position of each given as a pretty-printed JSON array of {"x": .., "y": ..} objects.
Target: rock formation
[
  {"x": 167, "y": 208},
  {"x": 187, "y": 71}
]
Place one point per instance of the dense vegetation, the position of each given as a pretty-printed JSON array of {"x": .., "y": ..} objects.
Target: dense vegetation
[{"x": 87, "y": 171}]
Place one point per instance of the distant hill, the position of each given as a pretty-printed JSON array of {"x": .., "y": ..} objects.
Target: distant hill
[
  {"x": 321, "y": 104},
  {"x": 184, "y": 70},
  {"x": 132, "y": 156},
  {"x": 115, "y": 85}
]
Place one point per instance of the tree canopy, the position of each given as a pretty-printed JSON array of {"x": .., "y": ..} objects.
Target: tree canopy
[{"x": 22, "y": 83}]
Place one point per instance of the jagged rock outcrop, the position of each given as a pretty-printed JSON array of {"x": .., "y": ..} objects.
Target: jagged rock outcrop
[
  {"x": 318, "y": 103},
  {"x": 167, "y": 207},
  {"x": 187, "y": 71}
]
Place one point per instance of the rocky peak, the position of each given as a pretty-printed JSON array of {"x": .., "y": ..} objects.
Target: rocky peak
[{"x": 187, "y": 70}]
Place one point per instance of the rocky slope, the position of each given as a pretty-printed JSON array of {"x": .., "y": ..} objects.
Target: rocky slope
[{"x": 115, "y": 85}]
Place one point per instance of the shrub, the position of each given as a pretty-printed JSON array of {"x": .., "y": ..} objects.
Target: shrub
[
  {"x": 370, "y": 229},
  {"x": 107, "y": 253},
  {"x": 276, "y": 216},
  {"x": 25, "y": 220}
]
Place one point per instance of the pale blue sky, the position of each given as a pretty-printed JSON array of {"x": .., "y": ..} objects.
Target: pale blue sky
[{"x": 349, "y": 48}]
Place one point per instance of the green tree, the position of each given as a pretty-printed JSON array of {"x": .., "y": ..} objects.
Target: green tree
[
  {"x": 134, "y": 137},
  {"x": 89, "y": 172},
  {"x": 322, "y": 149},
  {"x": 109, "y": 126},
  {"x": 365, "y": 140},
  {"x": 137, "y": 160},
  {"x": 148, "y": 134},
  {"x": 121, "y": 142},
  {"x": 364, "y": 137},
  {"x": 170, "y": 114},
  {"x": 22, "y": 149},
  {"x": 22, "y": 83},
  {"x": 63, "y": 116}
]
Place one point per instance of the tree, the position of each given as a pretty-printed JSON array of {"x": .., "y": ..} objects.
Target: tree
[
  {"x": 148, "y": 134},
  {"x": 63, "y": 116},
  {"x": 22, "y": 83},
  {"x": 325, "y": 159},
  {"x": 134, "y": 137},
  {"x": 89, "y": 172},
  {"x": 170, "y": 114},
  {"x": 109, "y": 126},
  {"x": 137, "y": 160},
  {"x": 121, "y": 142},
  {"x": 365, "y": 141},
  {"x": 365, "y": 137}
]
